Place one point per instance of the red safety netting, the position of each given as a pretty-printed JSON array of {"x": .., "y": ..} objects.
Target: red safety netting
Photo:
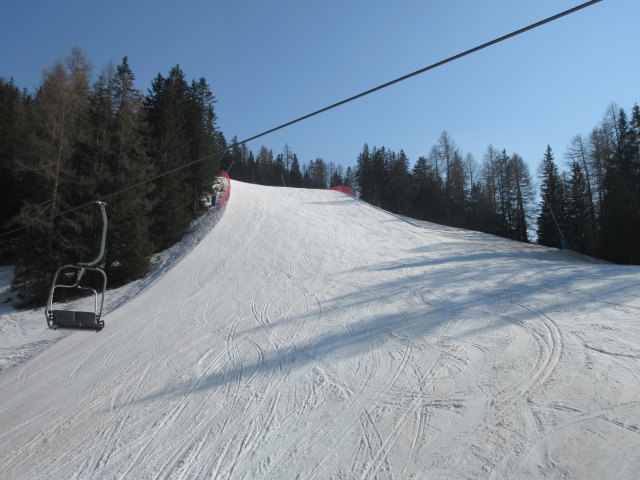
[
  {"x": 225, "y": 196},
  {"x": 347, "y": 190}
]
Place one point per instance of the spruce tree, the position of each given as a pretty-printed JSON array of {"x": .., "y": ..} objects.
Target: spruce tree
[
  {"x": 363, "y": 175},
  {"x": 578, "y": 222},
  {"x": 349, "y": 178},
  {"x": 336, "y": 179},
  {"x": 379, "y": 173},
  {"x": 204, "y": 142},
  {"x": 12, "y": 105},
  {"x": 168, "y": 108},
  {"x": 398, "y": 196},
  {"x": 295, "y": 176},
  {"x": 552, "y": 205},
  {"x": 264, "y": 167},
  {"x": 427, "y": 190},
  {"x": 621, "y": 203},
  {"x": 130, "y": 244}
]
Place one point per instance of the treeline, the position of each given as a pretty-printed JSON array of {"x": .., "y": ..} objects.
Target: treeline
[
  {"x": 448, "y": 188},
  {"x": 74, "y": 140},
  {"x": 265, "y": 168},
  {"x": 593, "y": 207}
]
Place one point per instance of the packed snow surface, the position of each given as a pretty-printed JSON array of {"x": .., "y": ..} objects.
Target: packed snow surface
[{"x": 309, "y": 335}]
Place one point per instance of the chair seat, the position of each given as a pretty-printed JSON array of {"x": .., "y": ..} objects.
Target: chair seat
[{"x": 65, "y": 319}]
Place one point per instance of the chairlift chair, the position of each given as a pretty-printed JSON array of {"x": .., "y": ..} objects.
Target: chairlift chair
[{"x": 60, "y": 319}]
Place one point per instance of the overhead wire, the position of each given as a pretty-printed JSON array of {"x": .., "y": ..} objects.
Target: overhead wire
[{"x": 325, "y": 109}]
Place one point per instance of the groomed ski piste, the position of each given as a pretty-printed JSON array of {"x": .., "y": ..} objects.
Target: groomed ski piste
[{"x": 305, "y": 334}]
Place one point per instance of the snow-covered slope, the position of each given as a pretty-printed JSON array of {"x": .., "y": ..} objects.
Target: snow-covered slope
[{"x": 309, "y": 335}]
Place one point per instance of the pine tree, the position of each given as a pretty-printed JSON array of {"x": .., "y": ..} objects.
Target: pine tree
[
  {"x": 427, "y": 190},
  {"x": 168, "y": 107},
  {"x": 363, "y": 175},
  {"x": 12, "y": 106},
  {"x": 265, "y": 174},
  {"x": 204, "y": 142},
  {"x": 130, "y": 244},
  {"x": 336, "y": 179},
  {"x": 349, "y": 178},
  {"x": 398, "y": 196},
  {"x": 480, "y": 217},
  {"x": 521, "y": 198},
  {"x": 235, "y": 159},
  {"x": 621, "y": 204},
  {"x": 379, "y": 175},
  {"x": 552, "y": 206},
  {"x": 295, "y": 176},
  {"x": 578, "y": 222},
  {"x": 252, "y": 173}
]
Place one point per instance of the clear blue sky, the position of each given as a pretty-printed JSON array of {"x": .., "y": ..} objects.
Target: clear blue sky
[{"x": 269, "y": 62}]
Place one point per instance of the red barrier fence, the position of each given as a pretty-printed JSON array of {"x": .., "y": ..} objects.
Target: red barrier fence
[
  {"x": 225, "y": 196},
  {"x": 347, "y": 190}
]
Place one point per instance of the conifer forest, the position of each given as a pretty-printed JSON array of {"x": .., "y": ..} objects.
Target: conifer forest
[{"x": 83, "y": 136}]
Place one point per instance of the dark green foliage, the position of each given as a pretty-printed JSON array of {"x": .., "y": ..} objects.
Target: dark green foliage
[
  {"x": 427, "y": 191},
  {"x": 129, "y": 246},
  {"x": 12, "y": 105},
  {"x": 578, "y": 221},
  {"x": 204, "y": 141},
  {"x": 621, "y": 201},
  {"x": 580, "y": 193},
  {"x": 12, "y": 182},
  {"x": 364, "y": 177},
  {"x": 182, "y": 122},
  {"x": 266, "y": 173},
  {"x": 443, "y": 188},
  {"x": 373, "y": 175},
  {"x": 295, "y": 175},
  {"x": 349, "y": 178},
  {"x": 552, "y": 207},
  {"x": 168, "y": 110},
  {"x": 74, "y": 142},
  {"x": 397, "y": 192}
]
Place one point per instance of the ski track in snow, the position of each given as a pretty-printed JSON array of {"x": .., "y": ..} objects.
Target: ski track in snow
[{"x": 305, "y": 334}]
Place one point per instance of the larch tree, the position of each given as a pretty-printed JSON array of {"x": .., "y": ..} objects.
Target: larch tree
[{"x": 54, "y": 126}]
